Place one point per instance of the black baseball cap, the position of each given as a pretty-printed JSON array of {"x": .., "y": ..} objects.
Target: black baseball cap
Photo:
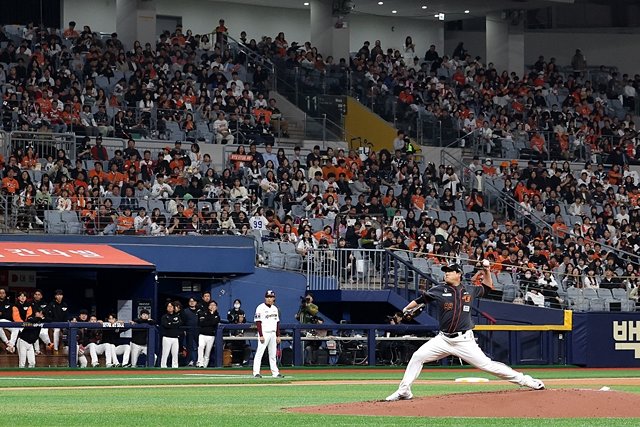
[
  {"x": 452, "y": 267},
  {"x": 269, "y": 293}
]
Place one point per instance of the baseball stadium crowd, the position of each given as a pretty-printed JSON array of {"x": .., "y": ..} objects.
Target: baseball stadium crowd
[{"x": 337, "y": 198}]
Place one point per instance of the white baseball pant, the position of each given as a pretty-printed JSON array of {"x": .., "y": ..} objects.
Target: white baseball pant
[
  {"x": 136, "y": 351},
  {"x": 14, "y": 334},
  {"x": 465, "y": 347},
  {"x": 44, "y": 336},
  {"x": 205, "y": 344},
  {"x": 123, "y": 350},
  {"x": 26, "y": 354},
  {"x": 56, "y": 339},
  {"x": 81, "y": 358},
  {"x": 169, "y": 346},
  {"x": 97, "y": 349},
  {"x": 271, "y": 345},
  {"x": 111, "y": 350}
]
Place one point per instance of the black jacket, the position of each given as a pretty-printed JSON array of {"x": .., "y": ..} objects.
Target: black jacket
[
  {"x": 139, "y": 336},
  {"x": 5, "y": 309},
  {"x": 57, "y": 312},
  {"x": 233, "y": 315},
  {"x": 111, "y": 335},
  {"x": 208, "y": 322},
  {"x": 30, "y": 334},
  {"x": 42, "y": 305},
  {"x": 171, "y": 324},
  {"x": 189, "y": 317}
]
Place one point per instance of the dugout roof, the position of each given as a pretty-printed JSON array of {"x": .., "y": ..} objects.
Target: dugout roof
[{"x": 65, "y": 255}]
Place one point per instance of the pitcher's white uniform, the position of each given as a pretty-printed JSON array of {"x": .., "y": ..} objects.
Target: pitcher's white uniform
[{"x": 269, "y": 318}]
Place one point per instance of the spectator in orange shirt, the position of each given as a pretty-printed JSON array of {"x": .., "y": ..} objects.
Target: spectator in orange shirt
[
  {"x": 538, "y": 144},
  {"x": 559, "y": 227},
  {"x": 325, "y": 234},
  {"x": 614, "y": 175},
  {"x": 30, "y": 159},
  {"x": 114, "y": 176},
  {"x": 99, "y": 172},
  {"x": 70, "y": 32},
  {"x": 125, "y": 222},
  {"x": 10, "y": 184},
  {"x": 177, "y": 161},
  {"x": 488, "y": 168}
]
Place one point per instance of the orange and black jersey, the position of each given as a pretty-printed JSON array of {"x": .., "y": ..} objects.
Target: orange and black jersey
[{"x": 454, "y": 304}]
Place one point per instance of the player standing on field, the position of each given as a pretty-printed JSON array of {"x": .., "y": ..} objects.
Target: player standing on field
[
  {"x": 27, "y": 336},
  {"x": 456, "y": 338},
  {"x": 267, "y": 320}
]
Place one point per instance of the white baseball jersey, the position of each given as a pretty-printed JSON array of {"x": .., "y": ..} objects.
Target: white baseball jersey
[{"x": 268, "y": 316}]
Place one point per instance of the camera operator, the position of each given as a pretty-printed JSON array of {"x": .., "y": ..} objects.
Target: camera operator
[
  {"x": 240, "y": 350},
  {"x": 390, "y": 350},
  {"x": 308, "y": 310}
]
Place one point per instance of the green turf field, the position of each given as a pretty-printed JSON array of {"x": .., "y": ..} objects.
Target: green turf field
[{"x": 216, "y": 398}]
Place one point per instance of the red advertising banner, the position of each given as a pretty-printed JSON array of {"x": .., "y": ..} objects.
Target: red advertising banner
[{"x": 66, "y": 253}]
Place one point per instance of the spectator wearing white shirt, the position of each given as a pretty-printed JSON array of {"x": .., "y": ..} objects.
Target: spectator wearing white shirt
[
  {"x": 64, "y": 202},
  {"x": 239, "y": 84},
  {"x": 622, "y": 215},
  {"x": 632, "y": 173},
  {"x": 470, "y": 123},
  {"x": 161, "y": 190},
  {"x": 486, "y": 136},
  {"x": 221, "y": 127},
  {"x": 629, "y": 95},
  {"x": 591, "y": 280},
  {"x": 142, "y": 222},
  {"x": 258, "y": 221}
]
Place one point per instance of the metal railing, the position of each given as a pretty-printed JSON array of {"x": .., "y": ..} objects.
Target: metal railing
[
  {"x": 44, "y": 144},
  {"x": 72, "y": 337},
  {"x": 364, "y": 270},
  {"x": 365, "y": 339},
  {"x": 353, "y": 269}
]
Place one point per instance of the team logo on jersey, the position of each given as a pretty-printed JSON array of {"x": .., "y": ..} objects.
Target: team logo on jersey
[
  {"x": 626, "y": 334},
  {"x": 466, "y": 298}
]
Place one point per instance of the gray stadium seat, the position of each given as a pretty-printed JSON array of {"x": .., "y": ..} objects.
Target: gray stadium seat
[
  {"x": 53, "y": 222},
  {"x": 505, "y": 278},
  {"x": 510, "y": 292},
  {"x": 590, "y": 293},
  {"x": 276, "y": 260},
  {"x": 422, "y": 265},
  {"x": 72, "y": 223},
  {"x": 604, "y": 293},
  {"x": 287, "y": 248},
  {"x": 596, "y": 304},
  {"x": 316, "y": 224},
  {"x": 619, "y": 294},
  {"x": 293, "y": 261}
]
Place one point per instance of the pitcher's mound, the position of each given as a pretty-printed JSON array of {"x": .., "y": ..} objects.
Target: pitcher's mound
[{"x": 560, "y": 403}]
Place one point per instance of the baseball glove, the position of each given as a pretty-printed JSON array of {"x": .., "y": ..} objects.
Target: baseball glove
[{"x": 409, "y": 315}]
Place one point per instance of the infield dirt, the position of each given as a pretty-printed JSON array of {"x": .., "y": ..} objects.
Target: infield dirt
[{"x": 559, "y": 403}]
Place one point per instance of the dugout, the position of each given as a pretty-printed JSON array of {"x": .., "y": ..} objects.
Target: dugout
[
  {"x": 93, "y": 276},
  {"x": 142, "y": 270}
]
